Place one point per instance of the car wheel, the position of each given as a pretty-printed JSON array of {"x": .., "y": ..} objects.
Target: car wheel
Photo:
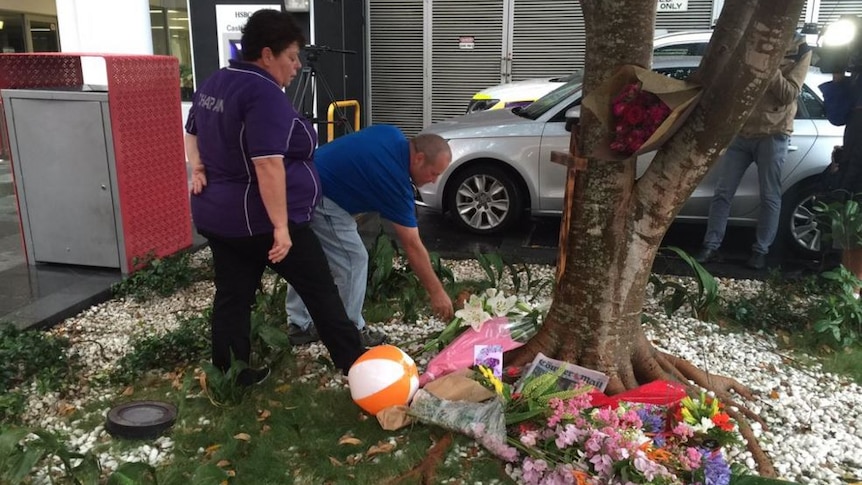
[
  {"x": 802, "y": 230},
  {"x": 484, "y": 199}
]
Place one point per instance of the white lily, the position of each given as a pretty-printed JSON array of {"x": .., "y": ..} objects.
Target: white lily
[
  {"x": 705, "y": 425},
  {"x": 473, "y": 313},
  {"x": 500, "y": 306}
]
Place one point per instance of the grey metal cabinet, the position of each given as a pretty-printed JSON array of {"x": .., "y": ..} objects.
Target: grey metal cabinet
[{"x": 65, "y": 176}]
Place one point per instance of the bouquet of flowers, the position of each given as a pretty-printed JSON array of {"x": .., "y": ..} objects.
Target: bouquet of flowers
[
  {"x": 560, "y": 437},
  {"x": 640, "y": 109},
  {"x": 491, "y": 320},
  {"x": 637, "y": 115},
  {"x": 481, "y": 308}
]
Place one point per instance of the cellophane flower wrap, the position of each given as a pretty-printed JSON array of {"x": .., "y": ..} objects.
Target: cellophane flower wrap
[
  {"x": 639, "y": 109},
  {"x": 489, "y": 318}
]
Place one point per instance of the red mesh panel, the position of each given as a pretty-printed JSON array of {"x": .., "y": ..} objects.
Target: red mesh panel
[
  {"x": 19, "y": 71},
  {"x": 146, "y": 125}
]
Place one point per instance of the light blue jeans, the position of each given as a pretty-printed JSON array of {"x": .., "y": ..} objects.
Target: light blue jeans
[
  {"x": 348, "y": 261},
  {"x": 769, "y": 153}
]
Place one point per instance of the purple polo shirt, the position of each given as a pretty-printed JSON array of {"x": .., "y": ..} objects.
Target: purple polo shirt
[{"x": 241, "y": 113}]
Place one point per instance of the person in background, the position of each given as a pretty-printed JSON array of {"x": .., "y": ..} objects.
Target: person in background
[
  {"x": 764, "y": 140},
  {"x": 372, "y": 170},
  {"x": 849, "y": 159},
  {"x": 254, "y": 189}
]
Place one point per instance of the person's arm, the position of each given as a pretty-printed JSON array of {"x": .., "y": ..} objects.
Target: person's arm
[
  {"x": 785, "y": 86},
  {"x": 273, "y": 192},
  {"x": 420, "y": 263},
  {"x": 199, "y": 175}
]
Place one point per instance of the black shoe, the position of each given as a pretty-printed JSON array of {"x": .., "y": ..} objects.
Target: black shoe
[
  {"x": 707, "y": 255},
  {"x": 371, "y": 338},
  {"x": 298, "y": 336},
  {"x": 250, "y": 377},
  {"x": 756, "y": 261}
]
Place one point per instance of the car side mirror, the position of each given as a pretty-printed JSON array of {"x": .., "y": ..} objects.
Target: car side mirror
[{"x": 573, "y": 116}]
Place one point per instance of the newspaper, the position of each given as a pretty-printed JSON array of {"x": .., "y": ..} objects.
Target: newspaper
[{"x": 572, "y": 375}]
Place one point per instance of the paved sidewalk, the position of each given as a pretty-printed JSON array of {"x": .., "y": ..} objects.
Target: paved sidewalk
[{"x": 44, "y": 294}]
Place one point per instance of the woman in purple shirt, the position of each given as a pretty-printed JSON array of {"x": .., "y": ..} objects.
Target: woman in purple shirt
[{"x": 254, "y": 189}]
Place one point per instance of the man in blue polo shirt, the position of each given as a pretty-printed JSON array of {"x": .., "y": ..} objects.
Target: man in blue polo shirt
[{"x": 372, "y": 170}]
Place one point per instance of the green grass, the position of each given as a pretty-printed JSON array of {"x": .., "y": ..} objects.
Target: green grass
[
  {"x": 294, "y": 430},
  {"x": 846, "y": 362}
]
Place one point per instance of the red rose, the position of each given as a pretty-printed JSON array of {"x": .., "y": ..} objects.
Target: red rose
[{"x": 634, "y": 115}]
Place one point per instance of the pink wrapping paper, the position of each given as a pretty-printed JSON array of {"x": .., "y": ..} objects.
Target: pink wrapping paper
[{"x": 459, "y": 353}]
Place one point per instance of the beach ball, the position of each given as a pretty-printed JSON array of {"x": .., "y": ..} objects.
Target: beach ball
[{"x": 381, "y": 377}]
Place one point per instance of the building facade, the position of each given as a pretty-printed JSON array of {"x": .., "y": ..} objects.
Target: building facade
[{"x": 406, "y": 62}]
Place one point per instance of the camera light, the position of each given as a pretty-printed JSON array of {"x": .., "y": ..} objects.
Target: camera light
[{"x": 841, "y": 32}]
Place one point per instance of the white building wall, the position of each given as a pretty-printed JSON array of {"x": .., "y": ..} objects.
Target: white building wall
[{"x": 91, "y": 26}]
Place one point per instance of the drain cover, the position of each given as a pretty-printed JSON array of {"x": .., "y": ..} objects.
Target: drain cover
[{"x": 140, "y": 419}]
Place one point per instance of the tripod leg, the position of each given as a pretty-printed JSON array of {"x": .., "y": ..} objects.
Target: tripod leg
[
  {"x": 342, "y": 117},
  {"x": 303, "y": 84}
]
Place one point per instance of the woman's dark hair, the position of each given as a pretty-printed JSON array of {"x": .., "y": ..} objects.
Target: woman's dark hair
[{"x": 269, "y": 28}]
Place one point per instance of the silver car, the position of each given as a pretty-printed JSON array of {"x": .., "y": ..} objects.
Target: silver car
[{"x": 501, "y": 164}]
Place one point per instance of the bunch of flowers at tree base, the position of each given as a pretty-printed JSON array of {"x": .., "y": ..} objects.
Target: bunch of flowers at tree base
[
  {"x": 525, "y": 317},
  {"x": 561, "y": 438},
  {"x": 637, "y": 114}
]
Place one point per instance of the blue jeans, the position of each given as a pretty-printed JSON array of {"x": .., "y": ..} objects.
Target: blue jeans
[
  {"x": 769, "y": 153},
  {"x": 348, "y": 262}
]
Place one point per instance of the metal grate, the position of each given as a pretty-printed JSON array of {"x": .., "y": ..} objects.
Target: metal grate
[
  {"x": 832, "y": 10},
  {"x": 396, "y": 46},
  {"x": 697, "y": 16},
  {"x": 458, "y": 73},
  {"x": 548, "y": 38}
]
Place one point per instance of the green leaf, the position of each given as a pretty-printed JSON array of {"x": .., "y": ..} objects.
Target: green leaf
[
  {"x": 208, "y": 474},
  {"x": 513, "y": 418},
  {"x": 274, "y": 337},
  {"x": 10, "y": 438},
  {"x": 134, "y": 473},
  {"x": 23, "y": 464}
]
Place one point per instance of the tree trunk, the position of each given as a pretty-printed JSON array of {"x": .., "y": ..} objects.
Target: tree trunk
[{"x": 613, "y": 224}]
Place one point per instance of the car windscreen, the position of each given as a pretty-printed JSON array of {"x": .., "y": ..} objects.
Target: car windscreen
[
  {"x": 575, "y": 76},
  {"x": 550, "y": 100}
]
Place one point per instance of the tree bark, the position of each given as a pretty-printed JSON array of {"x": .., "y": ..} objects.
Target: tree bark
[{"x": 613, "y": 224}]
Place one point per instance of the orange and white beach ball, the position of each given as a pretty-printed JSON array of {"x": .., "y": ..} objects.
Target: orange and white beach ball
[{"x": 381, "y": 377}]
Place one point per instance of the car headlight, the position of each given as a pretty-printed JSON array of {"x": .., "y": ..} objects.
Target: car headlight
[{"x": 481, "y": 104}]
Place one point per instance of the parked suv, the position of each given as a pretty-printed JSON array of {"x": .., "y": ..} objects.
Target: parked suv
[{"x": 522, "y": 93}]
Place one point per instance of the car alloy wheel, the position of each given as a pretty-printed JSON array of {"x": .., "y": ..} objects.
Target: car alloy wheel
[
  {"x": 800, "y": 225},
  {"x": 484, "y": 199},
  {"x": 804, "y": 227}
]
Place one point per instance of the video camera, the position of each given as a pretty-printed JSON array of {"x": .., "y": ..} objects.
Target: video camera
[
  {"x": 313, "y": 52},
  {"x": 839, "y": 46}
]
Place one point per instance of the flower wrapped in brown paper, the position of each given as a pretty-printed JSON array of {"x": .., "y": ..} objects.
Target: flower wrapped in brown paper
[{"x": 680, "y": 96}]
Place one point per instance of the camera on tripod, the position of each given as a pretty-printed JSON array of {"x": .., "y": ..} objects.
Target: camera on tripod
[
  {"x": 839, "y": 46},
  {"x": 311, "y": 88}
]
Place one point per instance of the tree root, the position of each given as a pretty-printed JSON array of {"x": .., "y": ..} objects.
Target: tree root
[{"x": 426, "y": 471}]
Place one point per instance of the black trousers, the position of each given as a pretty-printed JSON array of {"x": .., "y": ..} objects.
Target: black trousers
[{"x": 239, "y": 264}]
